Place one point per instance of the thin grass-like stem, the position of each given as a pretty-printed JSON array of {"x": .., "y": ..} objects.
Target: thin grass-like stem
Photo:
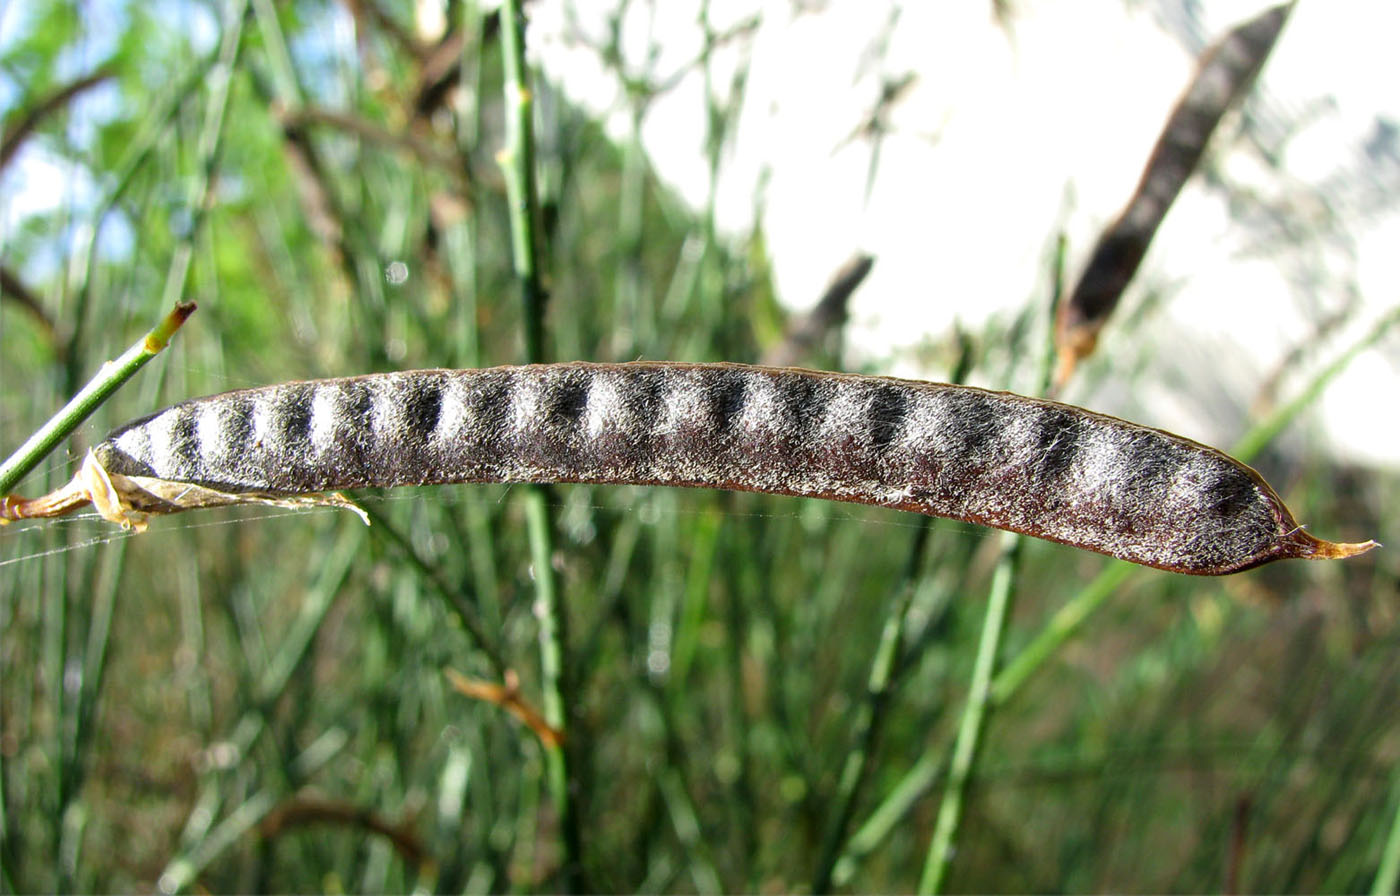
[
  {"x": 462, "y": 604},
  {"x": 539, "y": 523},
  {"x": 155, "y": 127},
  {"x": 870, "y": 716},
  {"x": 101, "y": 387},
  {"x": 114, "y": 374},
  {"x": 965, "y": 749},
  {"x": 1264, "y": 432},
  {"x": 903, "y": 797},
  {"x": 517, "y": 161},
  {"x": 974, "y": 715},
  {"x": 203, "y": 837},
  {"x": 1389, "y": 871},
  {"x": 1061, "y": 627}
]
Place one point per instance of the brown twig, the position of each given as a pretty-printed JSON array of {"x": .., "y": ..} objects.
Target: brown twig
[
  {"x": 12, "y": 288},
  {"x": 322, "y": 209},
  {"x": 876, "y": 123},
  {"x": 365, "y": 12},
  {"x": 442, "y": 66},
  {"x": 1266, "y": 397},
  {"x": 300, "y": 811},
  {"x": 1239, "y": 839},
  {"x": 508, "y": 697},
  {"x": 648, "y": 86},
  {"x": 324, "y": 214},
  {"x": 23, "y": 123},
  {"x": 366, "y": 130}
]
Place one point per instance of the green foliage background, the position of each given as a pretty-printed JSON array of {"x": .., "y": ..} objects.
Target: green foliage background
[{"x": 256, "y": 701}]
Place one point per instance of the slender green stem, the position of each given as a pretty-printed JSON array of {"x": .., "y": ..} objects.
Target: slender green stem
[
  {"x": 1061, "y": 627},
  {"x": 185, "y": 867},
  {"x": 901, "y": 799},
  {"x": 867, "y": 723},
  {"x": 552, "y": 670},
  {"x": 90, "y": 397},
  {"x": 517, "y": 160},
  {"x": 265, "y": 688},
  {"x": 104, "y": 594},
  {"x": 206, "y": 153},
  {"x": 278, "y": 57},
  {"x": 1389, "y": 871},
  {"x": 462, "y": 604},
  {"x": 974, "y": 716},
  {"x": 703, "y": 873},
  {"x": 1265, "y": 431},
  {"x": 1071, "y": 617},
  {"x": 551, "y": 656}
]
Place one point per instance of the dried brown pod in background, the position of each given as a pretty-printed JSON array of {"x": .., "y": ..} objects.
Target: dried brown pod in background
[{"x": 1225, "y": 74}]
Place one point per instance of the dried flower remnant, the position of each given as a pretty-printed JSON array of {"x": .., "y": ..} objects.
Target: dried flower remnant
[{"x": 1027, "y": 465}]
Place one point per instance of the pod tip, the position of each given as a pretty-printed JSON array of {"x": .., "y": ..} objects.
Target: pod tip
[
  {"x": 1302, "y": 544},
  {"x": 1331, "y": 550}
]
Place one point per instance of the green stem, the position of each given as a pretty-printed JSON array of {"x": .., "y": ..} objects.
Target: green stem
[
  {"x": 1061, "y": 627},
  {"x": 1389, "y": 870},
  {"x": 90, "y": 397},
  {"x": 1264, "y": 432},
  {"x": 456, "y": 598},
  {"x": 869, "y": 718},
  {"x": 552, "y": 639},
  {"x": 886, "y": 817},
  {"x": 974, "y": 715},
  {"x": 278, "y": 56},
  {"x": 517, "y": 161},
  {"x": 113, "y": 375},
  {"x": 979, "y": 697}
]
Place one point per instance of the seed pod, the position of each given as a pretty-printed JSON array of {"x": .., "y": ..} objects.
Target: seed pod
[
  {"x": 1226, "y": 71},
  {"x": 1027, "y": 465},
  {"x": 827, "y": 316}
]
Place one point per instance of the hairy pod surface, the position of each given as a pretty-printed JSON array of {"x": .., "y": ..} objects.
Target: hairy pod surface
[{"x": 1032, "y": 466}]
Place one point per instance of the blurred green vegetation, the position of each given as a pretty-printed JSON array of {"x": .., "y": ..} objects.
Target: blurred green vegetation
[{"x": 255, "y": 700}]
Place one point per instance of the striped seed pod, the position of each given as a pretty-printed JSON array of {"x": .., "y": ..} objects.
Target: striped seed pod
[{"x": 1027, "y": 465}]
